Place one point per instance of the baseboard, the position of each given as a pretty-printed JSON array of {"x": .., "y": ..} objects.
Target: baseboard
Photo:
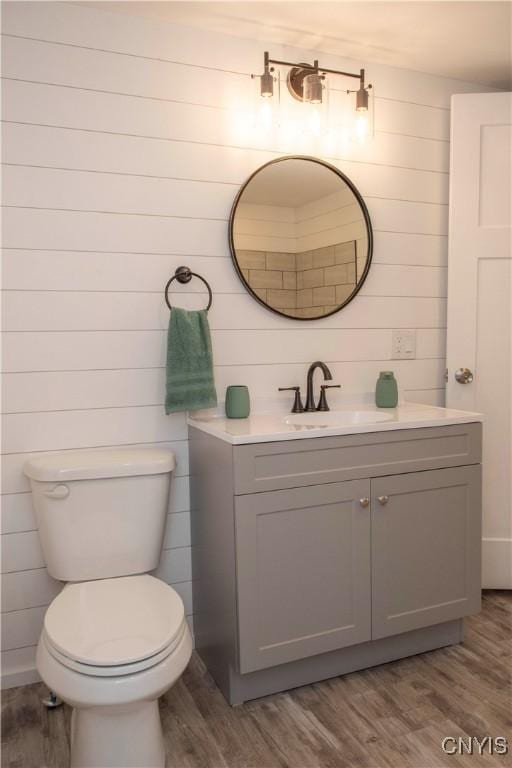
[
  {"x": 497, "y": 563},
  {"x": 19, "y": 677}
]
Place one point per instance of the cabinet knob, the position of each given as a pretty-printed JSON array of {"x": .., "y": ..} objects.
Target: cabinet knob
[
  {"x": 364, "y": 502},
  {"x": 383, "y": 499}
]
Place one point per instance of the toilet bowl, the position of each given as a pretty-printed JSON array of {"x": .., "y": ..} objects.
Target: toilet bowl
[
  {"x": 110, "y": 648},
  {"x": 115, "y": 638}
]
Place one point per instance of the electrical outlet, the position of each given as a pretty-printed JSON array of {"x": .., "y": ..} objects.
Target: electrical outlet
[{"x": 403, "y": 345}]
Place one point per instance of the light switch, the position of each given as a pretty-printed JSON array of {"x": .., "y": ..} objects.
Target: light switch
[{"x": 403, "y": 344}]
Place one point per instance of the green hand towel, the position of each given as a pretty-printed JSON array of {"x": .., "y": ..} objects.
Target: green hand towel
[{"x": 189, "y": 381}]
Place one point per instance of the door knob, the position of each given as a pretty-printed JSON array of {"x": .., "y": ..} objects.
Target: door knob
[
  {"x": 383, "y": 499},
  {"x": 364, "y": 502},
  {"x": 463, "y": 376}
]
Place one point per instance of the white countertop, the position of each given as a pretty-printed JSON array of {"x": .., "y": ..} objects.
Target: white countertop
[{"x": 271, "y": 426}]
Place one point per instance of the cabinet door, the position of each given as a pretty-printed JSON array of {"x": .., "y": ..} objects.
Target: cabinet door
[
  {"x": 426, "y": 534},
  {"x": 303, "y": 572}
]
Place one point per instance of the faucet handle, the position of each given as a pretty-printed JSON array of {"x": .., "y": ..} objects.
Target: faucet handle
[
  {"x": 322, "y": 403},
  {"x": 297, "y": 403}
]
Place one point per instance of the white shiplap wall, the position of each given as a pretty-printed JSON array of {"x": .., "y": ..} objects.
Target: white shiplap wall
[
  {"x": 334, "y": 218},
  {"x": 121, "y": 164},
  {"x": 265, "y": 228}
]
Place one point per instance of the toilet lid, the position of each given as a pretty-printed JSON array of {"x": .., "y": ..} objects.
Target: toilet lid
[{"x": 110, "y": 622}]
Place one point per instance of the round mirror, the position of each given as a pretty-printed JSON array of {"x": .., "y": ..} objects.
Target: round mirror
[{"x": 301, "y": 238}]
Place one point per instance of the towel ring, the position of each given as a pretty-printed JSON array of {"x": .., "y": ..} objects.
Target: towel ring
[{"x": 184, "y": 275}]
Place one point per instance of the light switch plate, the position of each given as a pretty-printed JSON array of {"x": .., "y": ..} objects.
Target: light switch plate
[{"x": 403, "y": 344}]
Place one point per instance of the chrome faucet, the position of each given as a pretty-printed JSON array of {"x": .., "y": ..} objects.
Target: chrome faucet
[{"x": 310, "y": 397}]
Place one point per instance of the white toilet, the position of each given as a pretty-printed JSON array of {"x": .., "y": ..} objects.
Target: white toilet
[{"x": 115, "y": 638}]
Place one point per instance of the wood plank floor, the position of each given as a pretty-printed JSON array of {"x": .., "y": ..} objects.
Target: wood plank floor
[{"x": 392, "y": 716}]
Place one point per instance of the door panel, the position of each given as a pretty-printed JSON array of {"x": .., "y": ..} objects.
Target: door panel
[
  {"x": 425, "y": 548},
  {"x": 479, "y": 303},
  {"x": 303, "y": 571}
]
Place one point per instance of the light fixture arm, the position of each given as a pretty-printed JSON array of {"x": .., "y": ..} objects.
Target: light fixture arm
[{"x": 316, "y": 68}]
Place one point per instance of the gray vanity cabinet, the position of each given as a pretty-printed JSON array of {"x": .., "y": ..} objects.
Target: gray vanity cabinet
[
  {"x": 303, "y": 572},
  {"x": 426, "y": 534},
  {"x": 316, "y": 557}
]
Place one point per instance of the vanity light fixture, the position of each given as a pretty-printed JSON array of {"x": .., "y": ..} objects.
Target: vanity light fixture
[
  {"x": 313, "y": 89},
  {"x": 266, "y": 79},
  {"x": 361, "y": 94},
  {"x": 306, "y": 81},
  {"x": 268, "y": 105}
]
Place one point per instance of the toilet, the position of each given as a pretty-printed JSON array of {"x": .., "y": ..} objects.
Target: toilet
[{"x": 115, "y": 638}]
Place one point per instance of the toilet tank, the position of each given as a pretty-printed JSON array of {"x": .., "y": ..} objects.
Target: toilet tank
[{"x": 101, "y": 513}]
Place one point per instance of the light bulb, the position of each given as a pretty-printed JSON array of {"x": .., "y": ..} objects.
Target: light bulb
[
  {"x": 361, "y": 126},
  {"x": 315, "y": 120},
  {"x": 265, "y": 116}
]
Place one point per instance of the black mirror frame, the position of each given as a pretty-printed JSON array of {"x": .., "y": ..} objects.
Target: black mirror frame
[{"x": 366, "y": 215}]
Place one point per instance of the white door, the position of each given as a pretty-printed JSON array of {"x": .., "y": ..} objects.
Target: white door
[{"x": 479, "y": 304}]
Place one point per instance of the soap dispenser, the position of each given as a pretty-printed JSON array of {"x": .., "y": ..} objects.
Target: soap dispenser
[{"x": 386, "y": 391}]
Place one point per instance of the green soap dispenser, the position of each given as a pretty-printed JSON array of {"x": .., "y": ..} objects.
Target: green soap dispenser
[{"x": 386, "y": 391}]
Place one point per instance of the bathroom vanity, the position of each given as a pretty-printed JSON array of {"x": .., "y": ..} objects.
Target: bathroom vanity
[{"x": 322, "y": 548}]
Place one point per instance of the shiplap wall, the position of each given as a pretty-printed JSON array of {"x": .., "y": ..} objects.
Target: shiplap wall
[
  {"x": 335, "y": 218},
  {"x": 265, "y": 228},
  {"x": 121, "y": 164}
]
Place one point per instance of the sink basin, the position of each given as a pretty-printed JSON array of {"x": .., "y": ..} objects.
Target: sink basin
[{"x": 337, "y": 418}]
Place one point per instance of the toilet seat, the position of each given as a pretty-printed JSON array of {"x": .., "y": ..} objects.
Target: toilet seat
[
  {"x": 114, "y": 627},
  {"x": 114, "y": 671}
]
